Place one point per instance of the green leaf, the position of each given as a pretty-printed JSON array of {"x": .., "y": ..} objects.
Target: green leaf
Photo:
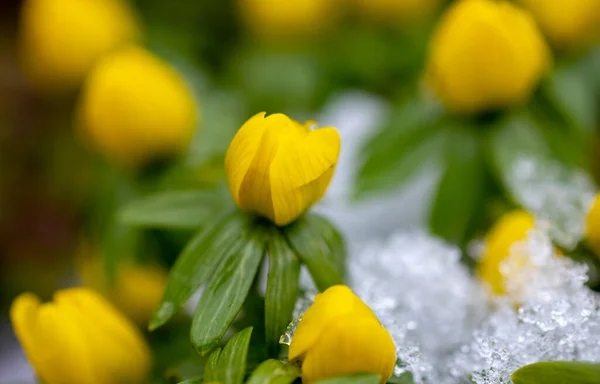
[
  {"x": 282, "y": 289},
  {"x": 210, "y": 370},
  {"x": 460, "y": 188},
  {"x": 179, "y": 210},
  {"x": 355, "y": 379},
  {"x": 232, "y": 361},
  {"x": 274, "y": 372},
  {"x": 397, "y": 152},
  {"x": 320, "y": 247},
  {"x": 509, "y": 141},
  {"x": 572, "y": 94},
  {"x": 558, "y": 372},
  {"x": 196, "y": 262},
  {"x": 227, "y": 289},
  {"x": 193, "y": 381}
]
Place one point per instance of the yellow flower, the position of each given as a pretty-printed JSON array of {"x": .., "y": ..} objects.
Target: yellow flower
[
  {"x": 508, "y": 230},
  {"x": 278, "y": 168},
  {"x": 339, "y": 335},
  {"x": 396, "y": 11},
  {"x": 593, "y": 226},
  {"x": 276, "y": 19},
  {"x": 485, "y": 54},
  {"x": 568, "y": 24},
  {"x": 135, "y": 108},
  {"x": 79, "y": 338},
  {"x": 136, "y": 290},
  {"x": 60, "y": 40}
]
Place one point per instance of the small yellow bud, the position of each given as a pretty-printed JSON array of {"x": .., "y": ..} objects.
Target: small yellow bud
[
  {"x": 79, "y": 338},
  {"x": 276, "y": 19},
  {"x": 485, "y": 54},
  {"x": 136, "y": 290},
  {"x": 278, "y": 168},
  {"x": 339, "y": 335},
  {"x": 396, "y": 12},
  {"x": 135, "y": 108},
  {"x": 593, "y": 226},
  {"x": 508, "y": 230},
  {"x": 568, "y": 24},
  {"x": 60, "y": 40}
]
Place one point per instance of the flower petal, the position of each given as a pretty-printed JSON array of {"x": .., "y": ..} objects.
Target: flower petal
[
  {"x": 241, "y": 153},
  {"x": 117, "y": 345},
  {"x": 23, "y": 315},
  {"x": 62, "y": 347},
  {"x": 350, "y": 345},
  {"x": 336, "y": 301},
  {"x": 301, "y": 171}
]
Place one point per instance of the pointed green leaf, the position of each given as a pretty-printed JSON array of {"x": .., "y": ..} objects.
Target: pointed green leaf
[
  {"x": 232, "y": 361},
  {"x": 193, "y": 381},
  {"x": 401, "y": 148},
  {"x": 355, "y": 379},
  {"x": 226, "y": 290},
  {"x": 282, "y": 289},
  {"x": 558, "y": 372},
  {"x": 320, "y": 247},
  {"x": 197, "y": 261},
  {"x": 274, "y": 372},
  {"x": 460, "y": 188},
  {"x": 179, "y": 210},
  {"x": 210, "y": 370}
]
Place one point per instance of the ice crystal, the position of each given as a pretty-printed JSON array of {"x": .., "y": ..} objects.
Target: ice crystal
[
  {"x": 422, "y": 294},
  {"x": 447, "y": 329},
  {"x": 555, "y": 193},
  {"x": 548, "y": 314}
]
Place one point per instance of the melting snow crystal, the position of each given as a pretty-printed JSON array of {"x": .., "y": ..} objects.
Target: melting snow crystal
[{"x": 448, "y": 331}]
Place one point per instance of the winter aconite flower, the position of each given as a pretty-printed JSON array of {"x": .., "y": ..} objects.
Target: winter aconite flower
[
  {"x": 485, "y": 54},
  {"x": 79, "y": 338},
  {"x": 568, "y": 24},
  {"x": 135, "y": 108},
  {"x": 339, "y": 335},
  {"x": 276, "y": 19},
  {"x": 277, "y": 168},
  {"x": 60, "y": 40},
  {"x": 593, "y": 226},
  {"x": 508, "y": 230}
]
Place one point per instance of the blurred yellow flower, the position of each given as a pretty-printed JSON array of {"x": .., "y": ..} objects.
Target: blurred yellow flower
[
  {"x": 136, "y": 290},
  {"x": 276, "y": 19},
  {"x": 568, "y": 23},
  {"x": 79, "y": 338},
  {"x": 136, "y": 108},
  {"x": 278, "y": 168},
  {"x": 60, "y": 40},
  {"x": 593, "y": 226},
  {"x": 396, "y": 12},
  {"x": 508, "y": 230},
  {"x": 339, "y": 335},
  {"x": 485, "y": 54}
]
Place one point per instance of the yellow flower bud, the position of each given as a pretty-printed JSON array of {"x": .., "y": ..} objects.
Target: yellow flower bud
[
  {"x": 339, "y": 335},
  {"x": 485, "y": 54},
  {"x": 396, "y": 11},
  {"x": 277, "y": 168},
  {"x": 276, "y": 19},
  {"x": 593, "y": 226},
  {"x": 568, "y": 24},
  {"x": 60, "y": 40},
  {"x": 79, "y": 338},
  {"x": 508, "y": 230},
  {"x": 135, "y": 108},
  {"x": 136, "y": 290}
]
